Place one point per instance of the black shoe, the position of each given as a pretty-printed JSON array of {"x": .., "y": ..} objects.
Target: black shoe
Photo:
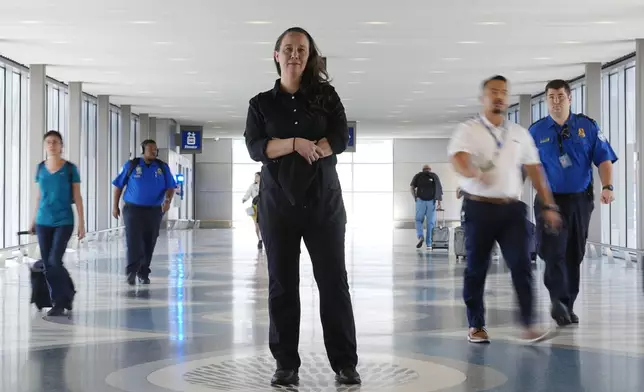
[
  {"x": 285, "y": 377},
  {"x": 574, "y": 318},
  {"x": 560, "y": 314},
  {"x": 420, "y": 242},
  {"x": 260, "y": 245},
  {"x": 56, "y": 311},
  {"x": 348, "y": 376},
  {"x": 144, "y": 280},
  {"x": 131, "y": 278}
]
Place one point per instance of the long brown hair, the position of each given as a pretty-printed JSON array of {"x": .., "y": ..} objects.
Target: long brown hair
[{"x": 315, "y": 72}]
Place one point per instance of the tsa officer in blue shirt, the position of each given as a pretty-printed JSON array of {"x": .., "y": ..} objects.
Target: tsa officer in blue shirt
[
  {"x": 149, "y": 188},
  {"x": 569, "y": 145}
]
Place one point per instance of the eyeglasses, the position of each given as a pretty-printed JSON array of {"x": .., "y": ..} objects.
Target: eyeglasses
[{"x": 561, "y": 136}]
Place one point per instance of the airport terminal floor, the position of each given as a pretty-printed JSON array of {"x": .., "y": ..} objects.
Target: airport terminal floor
[{"x": 202, "y": 324}]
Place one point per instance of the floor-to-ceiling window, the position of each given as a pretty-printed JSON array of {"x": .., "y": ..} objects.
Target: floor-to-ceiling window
[
  {"x": 88, "y": 160},
  {"x": 13, "y": 127},
  {"x": 618, "y": 124},
  {"x": 366, "y": 177},
  {"x": 113, "y": 155}
]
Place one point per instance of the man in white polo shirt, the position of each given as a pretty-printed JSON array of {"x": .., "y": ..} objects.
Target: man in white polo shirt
[{"x": 489, "y": 154}]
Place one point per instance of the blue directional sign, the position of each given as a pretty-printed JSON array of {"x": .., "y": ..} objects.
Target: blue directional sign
[
  {"x": 351, "y": 145},
  {"x": 191, "y": 140}
]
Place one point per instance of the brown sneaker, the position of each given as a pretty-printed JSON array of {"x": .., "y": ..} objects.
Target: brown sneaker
[{"x": 478, "y": 335}]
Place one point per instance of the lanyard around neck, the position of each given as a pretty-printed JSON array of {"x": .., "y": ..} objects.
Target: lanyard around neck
[{"x": 499, "y": 142}]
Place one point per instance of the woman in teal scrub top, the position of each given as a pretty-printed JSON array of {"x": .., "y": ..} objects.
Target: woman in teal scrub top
[{"x": 58, "y": 188}]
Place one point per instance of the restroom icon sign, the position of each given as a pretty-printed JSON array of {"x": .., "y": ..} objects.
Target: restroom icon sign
[{"x": 191, "y": 140}]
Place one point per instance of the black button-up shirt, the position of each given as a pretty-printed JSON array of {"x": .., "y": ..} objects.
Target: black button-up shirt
[{"x": 314, "y": 114}]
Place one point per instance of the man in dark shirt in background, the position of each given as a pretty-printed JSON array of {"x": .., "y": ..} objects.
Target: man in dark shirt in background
[{"x": 428, "y": 193}]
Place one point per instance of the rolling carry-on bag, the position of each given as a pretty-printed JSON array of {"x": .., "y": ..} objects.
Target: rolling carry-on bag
[
  {"x": 440, "y": 233},
  {"x": 459, "y": 243},
  {"x": 532, "y": 240},
  {"x": 40, "y": 296}
]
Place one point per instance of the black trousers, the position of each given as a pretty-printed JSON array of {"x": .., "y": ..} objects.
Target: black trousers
[
  {"x": 283, "y": 227},
  {"x": 564, "y": 250},
  {"x": 142, "y": 225},
  {"x": 485, "y": 224}
]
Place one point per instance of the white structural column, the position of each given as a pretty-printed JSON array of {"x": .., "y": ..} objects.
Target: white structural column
[
  {"x": 37, "y": 126},
  {"x": 525, "y": 120},
  {"x": 73, "y": 142},
  {"x": 152, "y": 133},
  {"x": 144, "y": 130},
  {"x": 126, "y": 130},
  {"x": 103, "y": 188},
  {"x": 639, "y": 126},
  {"x": 593, "y": 109}
]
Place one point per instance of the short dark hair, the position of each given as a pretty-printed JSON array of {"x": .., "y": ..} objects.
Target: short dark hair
[
  {"x": 556, "y": 85},
  {"x": 500, "y": 78},
  {"x": 148, "y": 141},
  {"x": 54, "y": 134}
]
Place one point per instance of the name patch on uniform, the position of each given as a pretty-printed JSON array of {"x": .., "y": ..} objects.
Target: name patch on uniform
[
  {"x": 138, "y": 171},
  {"x": 581, "y": 132},
  {"x": 546, "y": 140}
]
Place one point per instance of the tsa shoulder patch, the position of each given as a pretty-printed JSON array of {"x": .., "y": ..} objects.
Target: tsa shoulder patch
[{"x": 600, "y": 136}]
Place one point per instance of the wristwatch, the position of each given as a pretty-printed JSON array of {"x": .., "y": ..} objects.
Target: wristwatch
[{"x": 608, "y": 187}]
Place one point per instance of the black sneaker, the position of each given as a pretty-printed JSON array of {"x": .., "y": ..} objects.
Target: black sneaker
[
  {"x": 348, "y": 376},
  {"x": 144, "y": 280},
  {"x": 56, "y": 311},
  {"x": 131, "y": 278},
  {"x": 260, "y": 245},
  {"x": 560, "y": 314},
  {"x": 420, "y": 242},
  {"x": 285, "y": 377},
  {"x": 574, "y": 318}
]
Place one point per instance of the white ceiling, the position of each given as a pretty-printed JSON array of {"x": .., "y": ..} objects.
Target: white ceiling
[{"x": 407, "y": 68}]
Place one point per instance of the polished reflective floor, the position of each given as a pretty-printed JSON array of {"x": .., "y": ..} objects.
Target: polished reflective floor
[{"x": 202, "y": 324}]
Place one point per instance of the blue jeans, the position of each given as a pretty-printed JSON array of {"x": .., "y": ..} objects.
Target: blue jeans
[
  {"x": 53, "y": 243},
  {"x": 425, "y": 209}
]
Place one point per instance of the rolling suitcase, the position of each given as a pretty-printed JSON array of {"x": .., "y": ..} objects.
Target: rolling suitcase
[
  {"x": 440, "y": 233},
  {"x": 459, "y": 243},
  {"x": 532, "y": 240},
  {"x": 40, "y": 294}
]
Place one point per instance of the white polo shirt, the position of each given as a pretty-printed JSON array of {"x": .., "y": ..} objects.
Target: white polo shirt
[{"x": 501, "y": 155}]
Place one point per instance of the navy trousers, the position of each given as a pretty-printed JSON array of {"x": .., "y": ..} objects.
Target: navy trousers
[
  {"x": 142, "y": 225},
  {"x": 485, "y": 224},
  {"x": 564, "y": 250},
  {"x": 53, "y": 243}
]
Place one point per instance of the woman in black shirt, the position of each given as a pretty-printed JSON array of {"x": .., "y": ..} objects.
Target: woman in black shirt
[{"x": 296, "y": 129}]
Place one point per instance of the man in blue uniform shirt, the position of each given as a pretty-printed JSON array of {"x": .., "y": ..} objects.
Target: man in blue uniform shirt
[
  {"x": 569, "y": 144},
  {"x": 148, "y": 195}
]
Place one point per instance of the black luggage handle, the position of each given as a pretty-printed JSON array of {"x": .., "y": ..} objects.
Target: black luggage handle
[{"x": 20, "y": 233}]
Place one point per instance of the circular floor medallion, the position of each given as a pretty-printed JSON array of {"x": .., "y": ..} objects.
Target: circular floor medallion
[{"x": 252, "y": 373}]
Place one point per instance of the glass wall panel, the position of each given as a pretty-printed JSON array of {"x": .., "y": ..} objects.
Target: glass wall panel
[
  {"x": 2, "y": 149},
  {"x": 26, "y": 177},
  {"x": 631, "y": 167},
  {"x": 606, "y": 129},
  {"x": 112, "y": 159},
  {"x": 91, "y": 166},
  {"x": 374, "y": 151},
  {"x": 373, "y": 177},
  {"x": 84, "y": 161}
]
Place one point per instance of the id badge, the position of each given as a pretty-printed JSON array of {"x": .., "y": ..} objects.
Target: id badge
[{"x": 565, "y": 161}]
